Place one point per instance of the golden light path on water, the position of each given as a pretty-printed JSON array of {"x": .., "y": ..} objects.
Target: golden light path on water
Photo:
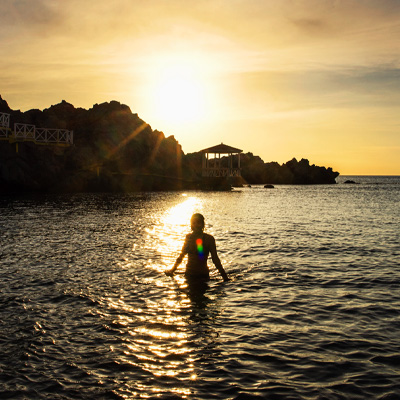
[
  {"x": 310, "y": 312},
  {"x": 158, "y": 333},
  {"x": 171, "y": 229}
]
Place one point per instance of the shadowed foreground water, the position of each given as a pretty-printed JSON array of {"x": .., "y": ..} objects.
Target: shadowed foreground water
[{"x": 312, "y": 310}]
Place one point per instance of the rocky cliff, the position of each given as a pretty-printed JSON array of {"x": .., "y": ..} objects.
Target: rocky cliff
[{"x": 115, "y": 150}]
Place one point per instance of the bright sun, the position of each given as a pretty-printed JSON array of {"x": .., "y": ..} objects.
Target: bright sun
[
  {"x": 179, "y": 97},
  {"x": 178, "y": 93}
]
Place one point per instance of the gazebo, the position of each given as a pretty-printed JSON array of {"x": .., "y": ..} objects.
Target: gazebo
[{"x": 213, "y": 166}]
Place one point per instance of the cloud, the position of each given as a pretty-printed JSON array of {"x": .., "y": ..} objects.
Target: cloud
[
  {"x": 312, "y": 25},
  {"x": 26, "y": 15},
  {"x": 355, "y": 87},
  {"x": 303, "y": 53},
  {"x": 252, "y": 26}
]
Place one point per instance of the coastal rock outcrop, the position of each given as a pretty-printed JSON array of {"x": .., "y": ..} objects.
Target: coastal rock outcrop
[
  {"x": 293, "y": 172},
  {"x": 114, "y": 150}
]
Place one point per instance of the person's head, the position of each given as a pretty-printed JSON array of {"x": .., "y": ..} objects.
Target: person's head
[{"x": 197, "y": 222}]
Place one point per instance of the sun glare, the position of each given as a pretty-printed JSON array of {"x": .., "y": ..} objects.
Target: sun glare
[
  {"x": 176, "y": 224},
  {"x": 179, "y": 96},
  {"x": 179, "y": 215},
  {"x": 178, "y": 92}
]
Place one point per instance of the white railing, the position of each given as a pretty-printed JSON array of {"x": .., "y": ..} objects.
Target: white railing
[
  {"x": 4, "y": 125},
  {"x": 4, "y": 132},
  {"x": 30, "y": 132},
  {"x": 42, "y": 135},
  {"x": 4, "y": 120},
  {"x": 220, "y": 172},
  {"x": 24, "y": 132},
  {"x": 66, "y": 136}
]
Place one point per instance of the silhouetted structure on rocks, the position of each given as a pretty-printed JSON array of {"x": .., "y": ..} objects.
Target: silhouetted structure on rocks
[{"x": 114, "y": 150}]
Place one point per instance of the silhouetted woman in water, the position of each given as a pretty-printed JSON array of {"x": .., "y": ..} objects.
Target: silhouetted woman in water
[{"x": 198, "y": 245}]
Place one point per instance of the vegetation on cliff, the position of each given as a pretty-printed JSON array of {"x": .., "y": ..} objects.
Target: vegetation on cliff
[{"x": 114, "y": 150}]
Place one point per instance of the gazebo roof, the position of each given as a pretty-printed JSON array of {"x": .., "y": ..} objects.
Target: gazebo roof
[{"x": 221, "y": 149}]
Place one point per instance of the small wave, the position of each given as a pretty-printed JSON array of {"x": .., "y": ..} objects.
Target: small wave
[{"x": 312, "y": 310}]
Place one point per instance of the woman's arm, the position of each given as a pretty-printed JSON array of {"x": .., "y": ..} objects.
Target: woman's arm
[
  {"x": 216, "y": 260},
  {"x": 179, "y": 259},
  {"x": 176, "y": 265}
]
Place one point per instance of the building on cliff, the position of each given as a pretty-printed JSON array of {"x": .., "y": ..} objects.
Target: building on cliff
[{"x": 213, "y": 166}]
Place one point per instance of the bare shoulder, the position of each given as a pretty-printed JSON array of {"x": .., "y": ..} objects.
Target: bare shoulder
[
  {"x": 209, "y": 238},
  {"x": 189, "y": 237}
]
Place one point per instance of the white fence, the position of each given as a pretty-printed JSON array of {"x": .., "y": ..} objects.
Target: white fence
[
  {"x": 4, "y": 120},
  {"x": 44, "y": 135},
  {"x": 24, "y": 132},
  {"x": 29, "y": 132},
  {"x": 220, "y": 172},
  {"x": 4, "y": 124}
]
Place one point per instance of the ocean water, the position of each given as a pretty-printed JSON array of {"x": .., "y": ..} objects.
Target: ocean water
[{"x": 312, "y": 310}]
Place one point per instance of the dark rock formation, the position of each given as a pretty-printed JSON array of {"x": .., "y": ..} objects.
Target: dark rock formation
[
  {"x": 114, "y": 150},
  {"x": 254, "y": 170},
  {"x": 215, "y": 184}
]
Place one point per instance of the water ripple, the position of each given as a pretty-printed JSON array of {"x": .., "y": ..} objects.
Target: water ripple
[{"x": 311, "y": 312}]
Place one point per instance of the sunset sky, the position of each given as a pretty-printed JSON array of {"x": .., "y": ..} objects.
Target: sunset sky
[{"x": 311, "y": 79}]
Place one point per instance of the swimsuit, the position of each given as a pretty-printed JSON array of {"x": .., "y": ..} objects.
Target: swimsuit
[{"x": 197, "y": 249}]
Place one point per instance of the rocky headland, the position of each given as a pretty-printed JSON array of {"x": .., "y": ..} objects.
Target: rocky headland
[{"x": 114, "y": 150}]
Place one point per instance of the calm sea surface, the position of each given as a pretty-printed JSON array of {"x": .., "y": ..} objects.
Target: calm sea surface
[{"x": 312, "y": 310}]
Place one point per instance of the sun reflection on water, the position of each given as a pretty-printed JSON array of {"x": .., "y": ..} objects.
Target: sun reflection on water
[
  {"x": 165, "y": 238},
  {"x": 156, "y": 340},
  {"x": 181, "y": 213},
  {"x": 158, "y": 335}
]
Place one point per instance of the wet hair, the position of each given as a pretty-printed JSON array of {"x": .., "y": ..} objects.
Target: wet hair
[{"x": 199, "y": 217}]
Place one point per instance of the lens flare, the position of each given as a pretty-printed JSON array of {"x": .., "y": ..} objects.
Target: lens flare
[{"x": 200, "y": 249}]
